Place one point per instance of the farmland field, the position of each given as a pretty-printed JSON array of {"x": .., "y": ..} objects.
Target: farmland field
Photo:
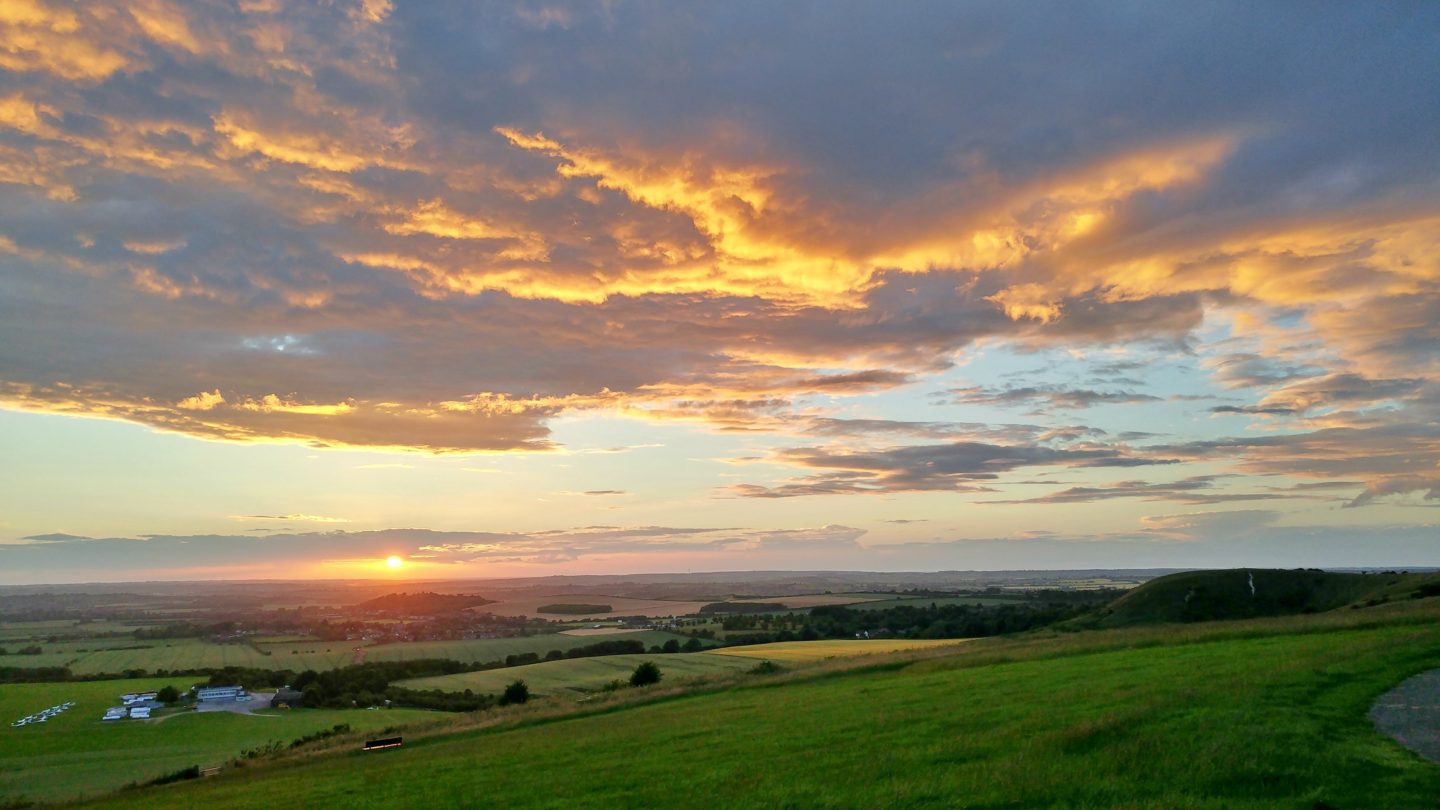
[
  {"x": 181, "y": 654},
  {"x": 620, "y": 606},
  {"x": 1266, "y": 714},
  {"x": 581, "y": 674},
  {"x": 552, "y": 677},
  {"x": 76, "y": 754},
  {"x": 926, "y": 601},
  {"x": 11, "y": 632},
  {"x": 812, "y": 600},
  {"x": 797, "y": 651}
]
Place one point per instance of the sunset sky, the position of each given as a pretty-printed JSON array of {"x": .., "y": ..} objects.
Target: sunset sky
[{"x": 288, "y": 288}]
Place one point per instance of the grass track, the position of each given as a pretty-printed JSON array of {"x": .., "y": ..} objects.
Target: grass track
[{"x": 1248, "y": 717}]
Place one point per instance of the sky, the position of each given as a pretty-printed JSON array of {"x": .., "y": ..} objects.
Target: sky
[{"x": 547, "y": 288}]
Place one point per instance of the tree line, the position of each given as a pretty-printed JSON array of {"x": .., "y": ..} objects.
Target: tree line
[{"x": 916, "y": 621}]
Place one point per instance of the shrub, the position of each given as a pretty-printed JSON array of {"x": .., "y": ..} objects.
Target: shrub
[
  {"x": 645, "y": 674},
  {"x": 766, "y": 667},
  {"x": 192, "y": 772},
  {"x": 515, "y": 693}
]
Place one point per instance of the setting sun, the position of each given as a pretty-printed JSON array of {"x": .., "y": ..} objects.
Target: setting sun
[{"x": 394, "y": 562}]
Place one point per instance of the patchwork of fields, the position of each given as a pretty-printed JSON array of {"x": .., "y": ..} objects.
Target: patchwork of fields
[
  {"x": 13, "y": 632},
  {"x": 76, "y": 754},
  {"x": 619, "y": 606},
  {"x": 586, "y": 674},
  {"x": 88, "y": 658},
  {"x": 581, "y": 674},
  {"x": 1255, "y": 717}
]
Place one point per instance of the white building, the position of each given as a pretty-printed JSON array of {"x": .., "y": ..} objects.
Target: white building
[
  {"x": 140, "y": 713},
  {"x": 219, "y": 693}
]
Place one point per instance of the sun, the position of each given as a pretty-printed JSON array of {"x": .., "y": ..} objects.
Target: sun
[{"x": 394, "y": 562}]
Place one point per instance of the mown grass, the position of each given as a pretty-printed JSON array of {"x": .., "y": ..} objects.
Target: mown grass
[
  {"x": 1262, "y": 714},
  {"x": 76, "y": 754}
]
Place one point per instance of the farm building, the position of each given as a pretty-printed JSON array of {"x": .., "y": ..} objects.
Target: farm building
[
  {"x": 287, "y": 697},
  {"x": 140, "y": 713},
  {"x": 220, "y": 693},
  {"x": 115, "y": 713}
]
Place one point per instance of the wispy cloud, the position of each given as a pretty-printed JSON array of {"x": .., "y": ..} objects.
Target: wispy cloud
[{"x": 295, "y": 518}]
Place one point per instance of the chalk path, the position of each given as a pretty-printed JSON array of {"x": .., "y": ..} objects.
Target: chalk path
[{"x": 1411, "y": 714}]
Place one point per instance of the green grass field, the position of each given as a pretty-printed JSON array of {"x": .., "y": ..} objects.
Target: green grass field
[
  {"x": 181, "y": 654},
  {"x": 76, "y": 754},
  {"x": 1261, "y": 714}
]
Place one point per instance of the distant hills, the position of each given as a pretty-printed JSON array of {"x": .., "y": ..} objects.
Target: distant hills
[
  {"x": 1247, "y": 593},
  {"x": 423, "y": 604}
]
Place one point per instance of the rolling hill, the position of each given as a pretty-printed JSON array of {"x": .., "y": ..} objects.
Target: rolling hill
[{"x": 1247, "y": 593}]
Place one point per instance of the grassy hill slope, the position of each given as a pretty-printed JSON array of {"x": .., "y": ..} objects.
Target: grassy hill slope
[
  {"x": 1194, "y": 596},
  {"x": 1261, "y": 714}
]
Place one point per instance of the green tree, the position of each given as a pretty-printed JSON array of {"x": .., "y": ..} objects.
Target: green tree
[
  {"x": 516, "y": 693},
  {"x": 645, "y": 674},
  {"x": 312, "y": 696},
  {"x": 694, "y": 645},
  {"x": 169, "y": 695},
  {"x": 671, "y": 646}
]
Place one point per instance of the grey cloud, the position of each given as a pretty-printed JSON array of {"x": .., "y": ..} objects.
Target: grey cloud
[
  {"x": 1193, "y": 490},
  {"x": 1045, "y": 397},
  {"x": 160, "y": 553},
  {"x": 953, "y": 467},
  {"x": 1253, "y": 409}
]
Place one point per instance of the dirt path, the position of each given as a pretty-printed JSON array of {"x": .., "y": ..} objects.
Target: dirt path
[{"x": 1411, "y": 714}]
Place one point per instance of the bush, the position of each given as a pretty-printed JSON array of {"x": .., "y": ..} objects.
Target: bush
[
  {"x": 766, "y": 667},
  {"x": 645, "y": 674},
  {"x": 192, "y": 772},
  {"x": 168, "y": 695},
  {"x": 515, "y": 693}
]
